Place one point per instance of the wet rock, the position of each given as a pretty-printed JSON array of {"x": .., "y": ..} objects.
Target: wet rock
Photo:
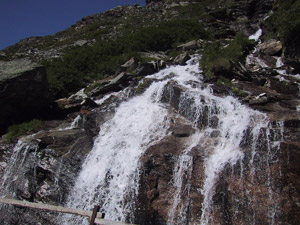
[
  {"x": 143, "y": 85},
  {"x": 23, "y": 92},
  {"x": 182, "y": 58},
  {"x": 158, "y": 163},
  {"x": 182, "y": 130},
  {"x": 89, "y": 103},
  {"x": 259, "y": 100},
  {"x": 149, "y": 68},
  {"x": 219, "y": 89},
  {"x": 157, "y": 182},
  {"x": 284, "y": 87},
  {"x": 173, "y": 95}
]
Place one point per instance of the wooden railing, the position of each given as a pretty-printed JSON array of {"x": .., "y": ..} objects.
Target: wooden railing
[{"x": 95, "y": 217}]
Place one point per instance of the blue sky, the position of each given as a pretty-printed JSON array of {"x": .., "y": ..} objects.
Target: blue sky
[{"x": 20, "y": 19}]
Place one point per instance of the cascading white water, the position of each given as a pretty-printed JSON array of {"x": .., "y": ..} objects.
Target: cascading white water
[
  {"x": 182, "y": 175},
  {"x": 110, "y": 173},
  {"x": 233, "y": 121},
  {"x": 15, "y": 166},
  {"x": 256, "y": 35}
]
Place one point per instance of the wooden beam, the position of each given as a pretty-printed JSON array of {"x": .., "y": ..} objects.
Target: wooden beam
[
  {"x": 98, "y": 220},
  {"x": 52, "y": 208}
]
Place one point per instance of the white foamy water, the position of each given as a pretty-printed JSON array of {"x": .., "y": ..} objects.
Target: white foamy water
[
  {"x": 104, "y": 98},
  {"x": 110, "y": 173},
  {"x": 279, "y": 62},
  {"x": 181, "y": 178},
  {"x": 256, "y": 35},
  {"x": 15, "y": 167},
  {"x": 233, "y": 121}
]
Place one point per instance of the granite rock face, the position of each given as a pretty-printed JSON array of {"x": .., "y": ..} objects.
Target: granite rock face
[{"x": 23, "y": 91}]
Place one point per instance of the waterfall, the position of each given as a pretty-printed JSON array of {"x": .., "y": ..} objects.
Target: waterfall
[
  {"x": 227, "y": 121},
  {"x": 15, "y": 167},
  {"x": 226, "y": 132},
  {"x": 110, "y": 173},
  {"x": 233, "y": 149}
]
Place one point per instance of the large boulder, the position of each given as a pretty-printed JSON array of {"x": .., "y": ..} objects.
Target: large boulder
[
  {"x": 23, "y": 91},
  {"x": 106, "y": 86},
  {"x": 270, "y": 47}
]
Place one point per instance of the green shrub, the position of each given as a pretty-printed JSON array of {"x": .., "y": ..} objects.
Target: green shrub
[
  {"x": 216, "y": 58},
  {"x": 15, "y": 131}
]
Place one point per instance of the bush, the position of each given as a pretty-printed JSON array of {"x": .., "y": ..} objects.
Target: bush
[
  {"x": 15, "y": 131},
  {"x": 216, "y": 58}
]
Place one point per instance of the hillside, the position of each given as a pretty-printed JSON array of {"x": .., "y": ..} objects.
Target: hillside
[
  {"x": 94, "y": 47},
  {"x": 179, "y": 112}
]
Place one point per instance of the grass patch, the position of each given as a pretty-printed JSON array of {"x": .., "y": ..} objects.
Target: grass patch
[
  {"x": 18, "y": 130},
  {"x": 224, "y": 81}
]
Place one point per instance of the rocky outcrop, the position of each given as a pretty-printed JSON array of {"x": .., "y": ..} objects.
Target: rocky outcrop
[
  {"x": 44, "y": 166},
  {"x": 105, "y": 86},
  {"x": 23, "y": 92},
  {"x": 74, "y": 103},
  {"x": 148, "y": 68}
]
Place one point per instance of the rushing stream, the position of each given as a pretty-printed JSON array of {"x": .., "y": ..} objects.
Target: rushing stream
[
  {"x": 237, "y": 150},
  {"x": 110, "y": 173}
]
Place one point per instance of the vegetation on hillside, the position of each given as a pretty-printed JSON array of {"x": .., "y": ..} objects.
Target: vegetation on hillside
[
  {"x": 82, "y": 64},
  {"x": 121, "y": 33},
  {"x": 284, "y": 24},
  {"x": 217, "y": 58}
]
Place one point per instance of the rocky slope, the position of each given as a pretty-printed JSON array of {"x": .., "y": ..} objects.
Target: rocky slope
[{"x": 265, "y": 80}]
